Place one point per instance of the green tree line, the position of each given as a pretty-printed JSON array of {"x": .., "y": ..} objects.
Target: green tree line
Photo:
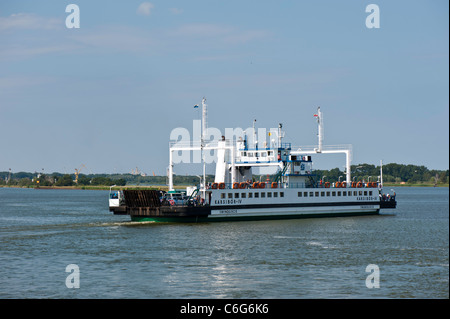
[
  {"x": 392, "y": 173},
  {"x": 25, "y": 179}
]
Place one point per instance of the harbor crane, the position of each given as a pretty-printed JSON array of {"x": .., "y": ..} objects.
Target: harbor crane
[{"x": 77, "y": 172}]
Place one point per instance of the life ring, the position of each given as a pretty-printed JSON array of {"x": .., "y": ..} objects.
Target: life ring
[
  {"x": 221, "y": 185},
  {"x": 359, "y": 184},
  {"x": 235, "y": 185},
  {"x": 171, "y": 202},
  {"x": 242, "y": 185},
  {"x": 327, "y": 184},
  {"x": 214, "y": 186},
  {"x": 262, "y": 185},
  {"x": 255, "y": 185},
  {"x": 274, "y": 185},
  {"x": 353, "y": 184},
  {"x": 337, "y": 185},
  {"x": 344, "y": 184}
]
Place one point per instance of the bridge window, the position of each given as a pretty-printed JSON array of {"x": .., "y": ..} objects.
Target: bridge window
[
  {"x": 243, "y": 195},
  {"x": 236, "y": 195},
  {"x": 299, "y": 194},
  {"x": 281, "y": 194},
  {"x": 222, "y": 195},
  {"x": 230, "y": 195},
  {"x": 250, "y": 195}
]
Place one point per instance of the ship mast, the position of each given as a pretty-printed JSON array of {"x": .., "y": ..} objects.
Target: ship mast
[
  {"x": 320, "y": 129},
  {"x": 203, "y": 139},
  {"x": 280, "y": 134},
  {"x": 329, "y": 149}
]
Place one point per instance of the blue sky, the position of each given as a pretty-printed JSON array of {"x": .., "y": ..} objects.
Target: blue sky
[{"x": 107, "y": 95}]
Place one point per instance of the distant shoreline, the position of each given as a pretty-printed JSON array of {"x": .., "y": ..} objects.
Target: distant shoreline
[{"x": 165, "y": 188}]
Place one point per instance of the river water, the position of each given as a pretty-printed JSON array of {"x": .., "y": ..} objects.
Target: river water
[{"x": 44, "y": 231}]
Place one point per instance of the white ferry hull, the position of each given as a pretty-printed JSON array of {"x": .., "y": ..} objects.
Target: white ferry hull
[
  {"x": 257, "y": 204},
  {"x": 236, "y": 204},
  {"x": 291, "y": 213},
  {"x": 246, "y": 214}
]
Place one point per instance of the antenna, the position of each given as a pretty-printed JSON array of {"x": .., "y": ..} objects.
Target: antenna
[
  {"x": 280, "y": 134},
  {"x": 204, "y": 119},
  {"x": 204, "y": 127},
  {"x": 255, "y": 140},
  {"x": 320, "y": 129}
]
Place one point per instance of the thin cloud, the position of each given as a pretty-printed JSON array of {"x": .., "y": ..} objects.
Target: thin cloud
[
  {"x": 25, "y": 37},
  {"x": 117, "y": 38},
  {"x": 27, "y": 50},
  {"x": 145, "y": 8},
  {"x": 246, "y": 36},
  {"x": 176, "y": 10},
  {"x": 224, "y": 33},
  {"x": 201, "y": 30},
  {"x": 29, "y": 21}
]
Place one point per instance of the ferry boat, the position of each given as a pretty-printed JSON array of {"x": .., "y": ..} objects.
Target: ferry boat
[{"x": 293, "y": 192}]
